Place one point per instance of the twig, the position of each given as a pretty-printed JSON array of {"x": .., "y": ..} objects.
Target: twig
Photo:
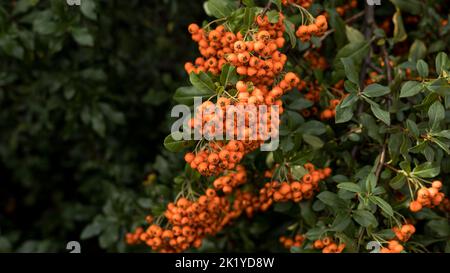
[
  {"x": 381, "y": 162},
  {"x": 266, "y": 8},
  {"x": 387, "y": 63},
  {"x": 376, "y": 68}
]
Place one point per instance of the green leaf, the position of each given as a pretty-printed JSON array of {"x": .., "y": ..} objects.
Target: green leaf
[
  {"x": 43, "y": 25},
  {"x": 444, "y": 133},
  {"x": 410, "y": 6},
  {"x": 202, "y": 82},
  {"x": 314, "y": 141},
  {"x": 218, "y": 8},
  {"x": 426, "y": 170},
  {"x": 350, "y": 186},
  {"x": 381, "y": 114},
  {"x": 290, "y": 30},
  {"x": 273, "y": 16},
  {"x": 298, "y": 172},
  {"x": 383, "y": 205},
  {"x": 331, "y": 199},
  {"x": 307, "y": 213},
  {"x": 441, "y": 62},
  {"x": 417, "y": 51},
  {"x": 228, "y": 75},
  {"x": 338, "y": 25},
  {"x": 422, "y": 68},
  {"x": 444, "y": 146},
  {"x": 397, "y": 182},
  {"x": 399, "y": 29},
  {"x": 410, "y": 88},
  {"x": 177, "y": 145},
  {"x": 341, "y": 222},
  {"x": 277, "y": 3},
  {"x": 82, "y": 36},
  {"x": 412, "y": 127},
  {"x": 349, "y": 100},
  {"x": 355, "y": 51},
  {"x": 351, "y": 71},
  {"x": 354, "y": 35},
  {"x": 185, "y": 95},
  {"x": 365, "y": 218},
  {"x": 436, "y": 114},
  {"x": 91, "y": 230},
  {"x": 88, "y": 9},
  {"x": 376, "y": 90},
  {"x": 343, "y": 114},
  {"x": 98, "y": 123}
]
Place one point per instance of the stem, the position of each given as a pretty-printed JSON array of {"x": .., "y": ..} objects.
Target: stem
[{"x": 266, "y": 8}]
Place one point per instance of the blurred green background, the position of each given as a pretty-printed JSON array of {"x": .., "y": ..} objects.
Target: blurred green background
[{"x": 84, "y": 93}]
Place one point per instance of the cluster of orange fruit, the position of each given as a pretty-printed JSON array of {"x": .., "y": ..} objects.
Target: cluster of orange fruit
[
  {"x": 189, "y": 222},
  {"x": 304, "y": 3},
  {"x": 315, "y": 60},
  {"x": 393, "y": 247},
  {"x": 318, "y": 28},
  {"x": 330, "y": 112},
  {"x": 404, "y": 232},
  {"x": 328, "y": 245},
  {"x": 293, "y": 190},
  {"x": 215, "y": 157},
  {"x": 231, "y": 180},
  {"x": 297, "y": 241},
  {"x": 341, "y": 10},
  {"x": 428, "y": 197}
]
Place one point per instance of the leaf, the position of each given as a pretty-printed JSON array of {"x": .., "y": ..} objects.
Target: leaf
[
  {"x": 343, "y": 114},
  {"x": 350, "y": 186},
  {"x": 98, "y": 123},
  {"x": 417, "y": 51},
  {"x": 338, "y": 25},
  {"x": 436, "y": 114},
  {"x": 426, "y": 170},
  {"x": 228, "y": 75},
  {"x": 351, "y": 71},
  {"x": 331, "y": 199},
  {"x": 88, "y": 9},
  {"x": 202, "y": 82},
  {"x": 399, "y": 29},
  {"x": 273, "y": 16},
  {"x": 349, "y": 100},
  {"x": 422, "y": 68},
  {"x": 277, "y": 3},
  {"x": 355, "y": 51},
  {"x": 298, "y": 172},
  {"x": 444, "y": 146},
  {"x": 185, "y": 95},
  {"x": 91, "y": 230},
  {"x": 410, "y": 88},
  {"x": 82, "y": 36},
  {"x": 354, "y": 35},
  {"x": 177, "y": 145},
  {"x": 381, "y": 114},
  {"x": 218, "y": 8},
  {"x": 383, "y": 205},
  {"x": 314, "y": 141},
  {"x": 410, "y": 6},
  {"x": 412, "y": 128},
  {"x": 397, "y": 182},
  {"x": 290, "y": 30},
  {"x": 441, "y": 62},
  {"x": 444, "y": 133},
  {"x": 376, "y": 90},
  {"x": 341, "y": 222},
  {"x": 365, "y": 218},
  {"x": 307, "y": 213},
  {"x": 312, "y": 127},
  {"x": 249, "y": 17}
]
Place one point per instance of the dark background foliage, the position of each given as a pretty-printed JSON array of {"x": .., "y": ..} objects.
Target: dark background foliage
[{"x": 84, "y": 92}]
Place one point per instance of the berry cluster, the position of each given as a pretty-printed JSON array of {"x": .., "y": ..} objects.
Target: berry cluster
[
  {"x": 428, "y": 197},
  {"x": 294, "y": 190},
  {"x": 328, "y": 245},
  {"x": 404, "y": 232},
  {"x": 318, "y": 28},
  {"x": 393, "y": 247},
  {"x": 304, "y": 3},
  {"x": 342, "y": 10},
  {"x": 189, "y": 222},
  {"x": 297, "y": 241},
  {"x": 231, "y": 180}
]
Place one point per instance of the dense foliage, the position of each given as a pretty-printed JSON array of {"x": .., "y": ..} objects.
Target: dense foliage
[{"x": 364, "y": 134}]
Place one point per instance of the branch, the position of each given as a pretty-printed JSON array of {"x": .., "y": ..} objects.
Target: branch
[
  {"x": 347, "y": 21},
  {"x": 266, "y": 8}
]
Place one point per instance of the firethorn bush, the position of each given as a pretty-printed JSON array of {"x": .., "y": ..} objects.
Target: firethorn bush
[
  {"x": 359, "y": 96},
  {"x": 363, "y": 93}
]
